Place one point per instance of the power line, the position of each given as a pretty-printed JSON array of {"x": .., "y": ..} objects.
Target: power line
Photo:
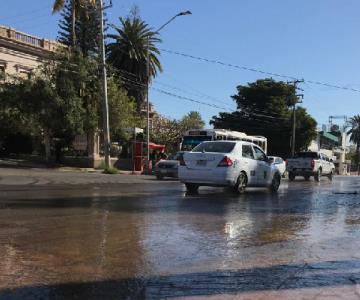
[
  {"x": 30, "y": 12},
  {"x": 251, "y": 113},
  {"x": 178, "y": 89},
  {"x": 186, "y": 98},
  {"x": 141, "y": 85},
  {"x": 213, "y": 61},
  {"x": 258, "y": 112},
  {"x": 29, "y": 18},
  {"x": 190, "y": 93}
]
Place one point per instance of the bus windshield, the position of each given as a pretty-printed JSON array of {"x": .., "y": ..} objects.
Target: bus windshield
[{"x": 189, "y": 142}]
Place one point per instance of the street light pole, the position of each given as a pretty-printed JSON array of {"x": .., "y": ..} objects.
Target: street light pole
[
  {"x": 105, "y": 104},
  {"x": 184, "y": 13}
]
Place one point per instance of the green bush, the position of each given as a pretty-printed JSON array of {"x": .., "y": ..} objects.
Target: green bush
[{"x": 111, "y": 170}]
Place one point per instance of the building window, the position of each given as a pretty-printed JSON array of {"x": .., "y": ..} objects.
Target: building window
[
  {"x": 25, "y": 75},
  {"x": 2, "y": 73},
  {"x": 24, "y": 72}
]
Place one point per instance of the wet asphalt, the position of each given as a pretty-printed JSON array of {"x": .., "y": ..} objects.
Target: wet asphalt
[{"x": 149, "y": 240}]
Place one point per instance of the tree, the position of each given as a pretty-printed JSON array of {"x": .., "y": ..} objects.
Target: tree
[
  {"x": 122, "y": 110},
  {"x": 41, "y": 111},
  {"x": 265, "y": 108},
  {"x": 170, "y": 131},
  {"x": 192, "y": 120},
  {"x": 64, "y": 101},
  {"x": 166, "y": 132},
  {"x": 87, "y": 29},
  {"x": 77, "y": 7},
  {"x": 128, "y": 55},
  {"x": 354, "y": 133}
]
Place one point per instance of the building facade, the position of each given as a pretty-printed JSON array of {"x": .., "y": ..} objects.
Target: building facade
[
  {"x": 334, "y": 145},
  {"x": 21, "y": 54}
]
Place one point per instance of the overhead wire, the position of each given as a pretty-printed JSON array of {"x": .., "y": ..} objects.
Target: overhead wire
[
  {"x": 144, "y": 85},
  {"x": 16, "y": 16},
  {"x": 190, "y": 93},
  {"x": 135, "y": 82},
  {"x": 141, "y": 85},
  {"x": 214, "y": 61}
]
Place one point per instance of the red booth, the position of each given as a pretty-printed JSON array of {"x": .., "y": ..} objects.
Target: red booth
[{"x": 139, "y": 158}]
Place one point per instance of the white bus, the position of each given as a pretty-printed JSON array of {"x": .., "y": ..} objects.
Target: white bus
[{"x": 194, "y": 137}]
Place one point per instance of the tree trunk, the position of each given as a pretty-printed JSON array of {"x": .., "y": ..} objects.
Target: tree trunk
[
  {"x": 73, "y": 24},
  {"x": 358, "y": 158},
  {"x": 47, "y": 144}
]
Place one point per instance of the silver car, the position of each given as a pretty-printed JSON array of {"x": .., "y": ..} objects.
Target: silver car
[
  {"x": 279, "y": 163},
  {"x": 168, "y": 167}
]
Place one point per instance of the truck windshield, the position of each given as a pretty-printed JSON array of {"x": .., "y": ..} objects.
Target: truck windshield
[
  {"x": 189, "y": 142},
  {"x": 306, "y": 155},
  {"x": 218, "y": 147}
]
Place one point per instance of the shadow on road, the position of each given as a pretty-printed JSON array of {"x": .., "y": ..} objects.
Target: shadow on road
[{"x": 280, "y": 277}]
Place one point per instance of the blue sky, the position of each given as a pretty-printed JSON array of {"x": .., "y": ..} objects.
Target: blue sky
[{"x": 314, "y": 40}]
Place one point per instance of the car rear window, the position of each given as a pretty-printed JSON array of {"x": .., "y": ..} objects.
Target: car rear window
[
  {"x": 217, "y": 147},
  {"x": 306, "y": 155},
  {"x": 247, "y": 151},
  {"x": 178, "y": 156}
]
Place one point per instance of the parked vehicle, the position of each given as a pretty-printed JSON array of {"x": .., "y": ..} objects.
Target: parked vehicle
[
  {"x": 279, "y": 163},
  {"x": 309, "y": 164},
  {"x": 194, "y": 137},
  {"x": 235, "y": 164},
  {"x": 168, "y": 167}
]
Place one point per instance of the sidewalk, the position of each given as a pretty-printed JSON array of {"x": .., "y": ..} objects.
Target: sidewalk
[
  {"x": 15, "y": 173},
  {"x": 24, "y": 164}
]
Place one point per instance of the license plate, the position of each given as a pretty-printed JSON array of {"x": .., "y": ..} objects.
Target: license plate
[
  {"x": 201, "y": 163},
  {"x": 163, "y": 171}
]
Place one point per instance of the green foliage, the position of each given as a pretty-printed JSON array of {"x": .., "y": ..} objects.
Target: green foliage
[
  {"x": 87, "y": 28},
  {"x": 169, "y": 132},
  {"x": 31, "y": 106},
  {"x": 122, "y": 110},
  {"x": 128, "y": 55},
  {"x": 192, "y": 120},
  {"x": 79, "y": 9},
  {"x": 63, "y": 101},
  {"x": 76, "y": 78},
  {"x": 111, "y": 171},
  {"x": 354, "y": 133},
  {"x": 265, "y": 108}
]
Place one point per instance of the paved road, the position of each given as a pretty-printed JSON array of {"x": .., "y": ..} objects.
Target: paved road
[{"x": 147, "y": 240}]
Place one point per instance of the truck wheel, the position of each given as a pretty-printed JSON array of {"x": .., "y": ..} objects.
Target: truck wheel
[
  {"x": 241, "y": 183},
  {"x": 191, "y": 187},
  {"x": 275, "y": 183},
  {"x": 331, "y": 175},
  {"x": 291, "y": 176},
  {"x": 317, "y": 176},
  {"x": 307, "y": 177}
]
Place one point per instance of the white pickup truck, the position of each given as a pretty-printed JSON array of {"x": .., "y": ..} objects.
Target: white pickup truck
[{"x": 308, "y": 164}]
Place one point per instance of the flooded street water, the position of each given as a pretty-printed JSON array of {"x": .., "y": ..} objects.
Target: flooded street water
[{"x": 154, "y": 242}]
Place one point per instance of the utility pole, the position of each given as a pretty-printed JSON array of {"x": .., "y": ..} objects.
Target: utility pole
[
  {"x": 148, "y": 72},
  {"x": 105, "y": 103},
  {"x": 148, "y": 105},
  {"x": 293, "y": 138}
]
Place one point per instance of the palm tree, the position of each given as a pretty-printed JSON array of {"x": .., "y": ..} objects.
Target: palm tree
[
  {"x": 354, "y": 133},
  {"x": 76, "y": 6},
  {"x": 128, "y": 54}
]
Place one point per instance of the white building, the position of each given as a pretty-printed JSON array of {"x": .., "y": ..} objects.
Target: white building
[{"x": 334, "y": 145}]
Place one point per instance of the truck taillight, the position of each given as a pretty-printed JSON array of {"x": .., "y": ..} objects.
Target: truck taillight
[
  {"x": 225, "y": 162},
  {"x": 312, "y": 164},
  {"x": 286, "y": 162}
]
